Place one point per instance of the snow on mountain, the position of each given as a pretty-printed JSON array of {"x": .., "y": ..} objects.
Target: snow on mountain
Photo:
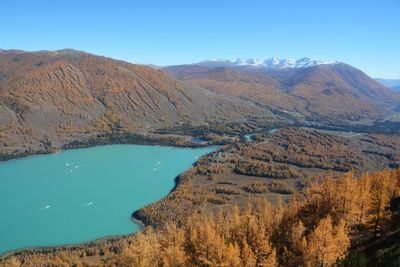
[{"x": 272, "y": 62}]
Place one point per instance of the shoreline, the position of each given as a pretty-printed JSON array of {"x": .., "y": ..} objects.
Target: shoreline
[
  {"x": 141, "y": 226},
  {"x": 151, "y": 141},
  {"x": 114, "y": 139},
  {"x": 178, "y": 140},
  {"x": 64, "y": 246},
  {"x": 111, "y": 238}
]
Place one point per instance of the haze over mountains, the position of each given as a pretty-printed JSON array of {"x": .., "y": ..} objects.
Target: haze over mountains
[
  {"x": 391, "y": 83},
  {"x": 65, "y": 95}
]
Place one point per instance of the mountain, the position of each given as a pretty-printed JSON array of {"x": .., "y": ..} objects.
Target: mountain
[
  {"x": 323, "y": 92},
  {"x": 66, "y": 95},
  {"x": 49, "y": 99},
  {"x": 266, "y": 63},
  {"x": 391, "y": 83}
]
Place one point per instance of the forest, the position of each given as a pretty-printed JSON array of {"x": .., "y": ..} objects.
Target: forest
[{"x": 331, "y": 222}]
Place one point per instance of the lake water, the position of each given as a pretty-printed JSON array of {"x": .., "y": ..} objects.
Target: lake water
[{"x": 84, "y": 194}]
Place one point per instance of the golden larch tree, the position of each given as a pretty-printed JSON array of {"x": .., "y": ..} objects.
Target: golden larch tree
[{"x": 327, "y": 244}]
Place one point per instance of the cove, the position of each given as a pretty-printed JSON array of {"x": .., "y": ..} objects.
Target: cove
[{"x": 84, "y": 194}]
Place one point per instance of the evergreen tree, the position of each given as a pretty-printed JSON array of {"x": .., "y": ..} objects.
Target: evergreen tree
[{"x": 327, "y": 244}]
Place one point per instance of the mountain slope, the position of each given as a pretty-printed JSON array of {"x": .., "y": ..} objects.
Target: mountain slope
[
  {"x": 324, "y": 92},
  {"x": 49, "y": 99},
  {"x": 390, "y": 83},
  {"x": 62, "y": 95}
]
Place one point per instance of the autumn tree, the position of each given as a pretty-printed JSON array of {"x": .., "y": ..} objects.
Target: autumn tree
[
  {"x": 295, "y": 246},
  {"x": 172, "y": 243},
  {"x": 327, "y": 244},
  {"x": 363, "y": 199},
  {"x": 144, "y": 250},
  {"x": 207, "y": 247},
  {"x": 347, "y": 198},
  {"x": 380, "y": 197}
]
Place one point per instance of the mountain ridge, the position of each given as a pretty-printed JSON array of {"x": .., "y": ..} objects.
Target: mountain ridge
[
  {"x": 49, "y": 99},
  {"x": 323, "y": 91},
  {"x": 272, "y": 62},
  {"x": 64, "y": 96}
]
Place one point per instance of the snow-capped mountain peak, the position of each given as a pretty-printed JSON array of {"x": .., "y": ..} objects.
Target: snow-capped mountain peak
[{"x": 272, "y": 62}]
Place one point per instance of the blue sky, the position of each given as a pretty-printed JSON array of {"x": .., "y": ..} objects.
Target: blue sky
[{"x": 365, "y": 34}]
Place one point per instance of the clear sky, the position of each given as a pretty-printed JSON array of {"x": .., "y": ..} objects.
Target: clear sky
[{"x": 364, "y": 33}]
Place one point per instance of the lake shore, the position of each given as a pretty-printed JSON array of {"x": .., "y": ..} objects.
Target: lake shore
[
  {"x": 182, "y": 137},
  {"x": 91, "y": 243},
  {"x": 112, "y": 238},
  {"x": 116, "y": 138},
  {"x": 104, "y": 140}
]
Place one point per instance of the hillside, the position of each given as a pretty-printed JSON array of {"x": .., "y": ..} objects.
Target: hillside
[
  {"x": 324, "y": 93},
  {"x": 48, "y": 99},
  {"x": 52, "y": 99}
]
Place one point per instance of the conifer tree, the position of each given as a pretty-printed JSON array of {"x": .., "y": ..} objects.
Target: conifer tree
[
  {"x": 379, "y": 201},
  {"x": 296, "y": 245},
  {"x": 172, "y": 242},
  {"x": 347, "y": 198},
  {"x": 327, "y": 244},
  {"x": 144, "y": 251},
  {"x": 363, "y": 199},
  {"x": 247, "y": 256}
]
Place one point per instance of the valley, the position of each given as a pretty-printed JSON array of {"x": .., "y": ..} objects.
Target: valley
[
  {"x": 50, "y": 100},
  {"x": 281, "y": 131},
  {"x": 199, "y": 133}
]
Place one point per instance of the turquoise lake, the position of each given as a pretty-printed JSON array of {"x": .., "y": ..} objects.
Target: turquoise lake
[{"x": 83, "y": 194}]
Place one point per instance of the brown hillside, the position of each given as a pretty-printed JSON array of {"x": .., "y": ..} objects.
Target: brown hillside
[
  {"x": 60, "y": 96},
  {"x": 328, "y": 93}
]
